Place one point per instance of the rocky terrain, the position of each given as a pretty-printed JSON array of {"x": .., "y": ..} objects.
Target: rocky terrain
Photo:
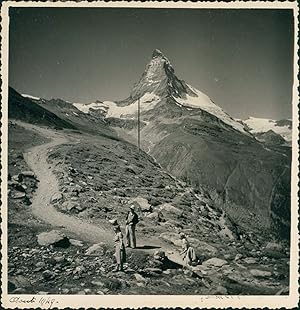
[
  {"x": 97, "y": 179},
  {"x": 73, "y": 167}
]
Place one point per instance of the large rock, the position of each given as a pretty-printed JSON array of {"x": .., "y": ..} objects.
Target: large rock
[
  {"x": 54, "y": 237},
  {"x": 76, "y": 242},
  {"x": 56, "y": 197},
  {"x": 18, "y": 282},
  {"x": 28, "y": 173},
  {"x": 168, "y": 209},
  {"x": 18, "y": 195},
  {"x": 215, "y": 262},
  {"x": 142, "y": 203},
  {"x": 97, "y": 249},
  {"x": 260, "y": 273},
  {"x": 273, "y": 246}
]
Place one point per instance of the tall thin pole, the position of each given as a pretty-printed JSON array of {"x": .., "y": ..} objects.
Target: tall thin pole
[{"x": 138, "y": 125}]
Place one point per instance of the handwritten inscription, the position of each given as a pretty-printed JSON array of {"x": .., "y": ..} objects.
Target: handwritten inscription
[{"x": 48, "y": 302}]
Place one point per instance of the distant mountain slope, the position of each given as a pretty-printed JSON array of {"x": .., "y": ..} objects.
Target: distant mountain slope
[
  {"x": 260, "y": 125},
  {"x": 92, "y": 122},
  {"x": 27, "y": 110}
]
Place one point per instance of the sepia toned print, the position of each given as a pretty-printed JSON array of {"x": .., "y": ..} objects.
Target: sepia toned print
[{"x": 149, "y": 155}]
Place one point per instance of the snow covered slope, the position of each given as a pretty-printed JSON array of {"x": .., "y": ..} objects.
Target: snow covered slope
[
  {"x": 202, "y": 101},
  {"x": 30, "y": 97},
  {"x": 147, "y": 102},
  {"x": 281, "y": 127}
]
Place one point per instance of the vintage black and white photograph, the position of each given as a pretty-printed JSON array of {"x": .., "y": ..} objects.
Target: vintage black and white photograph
[{"x": 149, "y": 151}]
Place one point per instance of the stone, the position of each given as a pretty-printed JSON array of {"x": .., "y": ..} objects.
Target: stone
[
  {"x": 76, "y": 242},
  {"x": 260, "y": 273},
  {"x": 98, "y": 283},
  {"x": 40, "y": 264},
  {"x": 283, "y": 291},
  {"x": 18, "y": 195},
  {"x": 59, "y": 259},
  {"x": 65, "y": 291},
  {"x": 97, "y": 249},
  {"x": 167, "y": 208},
  {"x": 80, "y": 207},
  {"x": 68, "y": 206},
  {"x": 54, "y": 237},
  {"x": 273, "y": 246},
  {"x": 17, "y": 178},
  {"x": 27, "y": 173},
  {"x": 238, "y": 256},
  {"x": 250, "y": 260},
  {"x": 139, "y": 277},
  {"x": 154, "y": 216},
  {"x": 18, "y": 282},
  {"x": 48, "y": 275},
  {"x": 155, "y": 270},
  {"x": 219, "y": 290},
  {"x": 142, "y": 203},
  {"x": 159, "y": 255},
  {"x": 56, "y": 197},
  {"x": 215, "y": 262}
]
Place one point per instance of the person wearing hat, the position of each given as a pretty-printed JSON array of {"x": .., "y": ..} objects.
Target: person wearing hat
[
  {"x": 120, "y": 252},
  {"x": 188, "y": 252},
  {"x": 131, "y": 221}
]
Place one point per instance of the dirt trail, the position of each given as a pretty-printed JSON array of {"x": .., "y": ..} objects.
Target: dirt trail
[{"x": 36, "y": 159}]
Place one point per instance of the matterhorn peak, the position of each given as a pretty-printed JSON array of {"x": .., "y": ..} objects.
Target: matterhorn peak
[{"x": 157, "y": 53}]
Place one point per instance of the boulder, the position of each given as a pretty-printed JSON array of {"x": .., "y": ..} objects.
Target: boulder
[
  {"x": 139, "y": 277},
  {"x": 260, "y": 273},
  {"x": 274, "y": 250},
  {"x": 56, "y": 197},
  {"x": 155, "y": 216},
  {"x": 18, "y": 195},
  {"x": 54, "y": 237},
  {"x": 142, "y": 203},
  {"x": 219, "y": 290},
  {"x": 159, "y": 255},
  {"x": 17, "y": 178},
  {"x": 215, "y": 262},
  {"x": 28, "y": 173},
  {"x": 68, "y": 206},
  {"x": 155, "y": 270},
  {"x": 76, "y": 242},
  {"x": 97, "y": 249},
  {"x": 48, "y": 275},
  {"x": 250, "y": 260},
  {"x": 168, "y": 209},
  {"x": 18, "y": 282}
]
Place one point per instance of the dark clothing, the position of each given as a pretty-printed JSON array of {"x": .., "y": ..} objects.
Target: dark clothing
[{"x": 131, "y": 222}]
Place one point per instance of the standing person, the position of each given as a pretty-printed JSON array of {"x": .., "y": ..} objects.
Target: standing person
[
  {"x": 131, "y": 221},
  {"x": 188, "y": 252},
  {"x": 120, "y": 252}
]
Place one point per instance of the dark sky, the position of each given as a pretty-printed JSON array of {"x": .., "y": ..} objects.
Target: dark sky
[{"x": 242, "y": 59}]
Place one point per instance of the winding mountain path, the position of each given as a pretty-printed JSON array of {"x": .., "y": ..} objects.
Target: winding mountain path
[{"x": 36, "y": 159}]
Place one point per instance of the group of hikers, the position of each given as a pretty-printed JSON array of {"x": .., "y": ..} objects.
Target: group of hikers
[
  {"x": 131, "y": 221},
  {"x": 188, "y": 253}
]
